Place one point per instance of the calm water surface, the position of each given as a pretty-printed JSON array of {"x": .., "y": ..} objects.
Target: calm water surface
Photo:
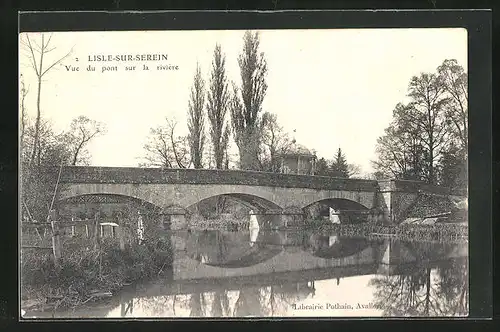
[{"x": 295, "y": 274}]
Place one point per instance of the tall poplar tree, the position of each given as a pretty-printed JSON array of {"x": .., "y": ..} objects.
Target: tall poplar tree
[
  {"x": 196, "y": 119},
  {"x": 217, "y": 105},
  {"x": 246, "y": 104}
]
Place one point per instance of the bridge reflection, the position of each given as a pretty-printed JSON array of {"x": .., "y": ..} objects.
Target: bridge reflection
[
  {"x": 214, "y": 254},
  {"x": 420, "y": 279}
]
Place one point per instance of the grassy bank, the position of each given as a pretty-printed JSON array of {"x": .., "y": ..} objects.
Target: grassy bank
[
  {"x": 437, "y": 232},
  {"x": 87, "y": 274},
  {"x": 221, "y": 224},
  {"x": 443, "y": 232}
]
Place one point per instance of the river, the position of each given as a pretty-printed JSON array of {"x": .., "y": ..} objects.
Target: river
[{"x": 294, "y": 274}]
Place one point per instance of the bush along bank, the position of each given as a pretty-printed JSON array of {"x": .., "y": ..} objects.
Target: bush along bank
[
  {"x": 88, "y": 274},
  {"x": 222, "y": 223},
  {"x": 442, "y": 232}
]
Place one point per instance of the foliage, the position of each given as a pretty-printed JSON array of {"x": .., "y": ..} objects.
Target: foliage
[
  {"x": 196, "y": 119},
  {"x": 37, "y": 184},
  {"x": 84, "y": 269},
  {"x": 427, "y": 135},
  {"x": 322, "y": 167},
  {"x": 217, "y": 105},
  {"x": 424, "y": 292},
  {"x": 39, "y": 178},
  {"x": 339, "y": 167},
  {"x": 246, "y": 102}
]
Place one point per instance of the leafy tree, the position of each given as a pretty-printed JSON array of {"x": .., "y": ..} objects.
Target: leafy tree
[
  {"x": 322, "y": 167},
  {"x": 196, "y": 119},
  {"x": 339, "y": 167},
  {"x": 246, "y": 103},
  {"x": 217, "y": 105},
  {"x": 453, "y": 168},
  {"x": 38, "y": 180},
  {"x": 428, "y": 132}
]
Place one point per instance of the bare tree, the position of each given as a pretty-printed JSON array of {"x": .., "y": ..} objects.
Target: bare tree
[
  {"x": 427, "y": 114},
  {"x": 454, "y": 80},
  {"x": 82, "y": 131},
  {"x": 158, "y": 151},
  {"x": 24, "y": 93},
  {"x": 196, "y": 119},
  {"x": 246, "y": 103},
  {"x": 218, "y": 102},
  {"x": 37, "y": 53},
  {"x": 165, "y": 149},
  {"x": 400, "y": 150},
  {"x": 275, "y": 142},
  {"x": 353, "y": 170}
]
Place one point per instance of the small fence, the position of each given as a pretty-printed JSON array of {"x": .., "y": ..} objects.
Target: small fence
[{"x": 93, "y": 229}]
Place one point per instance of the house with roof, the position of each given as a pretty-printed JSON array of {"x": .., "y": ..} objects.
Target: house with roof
[{"x": 298, "y": 160}]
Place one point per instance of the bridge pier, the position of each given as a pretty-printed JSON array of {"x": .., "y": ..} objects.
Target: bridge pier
[
  {"x": 397, "y": 198},
  {"x": 174, "y": 218}
]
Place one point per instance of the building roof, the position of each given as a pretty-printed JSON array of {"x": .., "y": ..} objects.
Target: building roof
[{"x": 298, "y": 150}]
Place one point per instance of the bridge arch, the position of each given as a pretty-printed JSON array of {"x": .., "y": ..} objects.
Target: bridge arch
[
  {"x": 257, "y": 203},
  {"x": 349, "y": 210},
  {"x": 135, "y": 192},
  {"x": 106, "y": 203}
]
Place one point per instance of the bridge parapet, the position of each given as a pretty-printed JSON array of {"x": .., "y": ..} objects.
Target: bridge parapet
[
  {"x": 411, "y": 186},
  {"x": 134, "y": 175}
]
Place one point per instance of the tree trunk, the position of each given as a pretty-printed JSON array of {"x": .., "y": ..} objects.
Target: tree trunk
[{"x": 38, "y": 116}]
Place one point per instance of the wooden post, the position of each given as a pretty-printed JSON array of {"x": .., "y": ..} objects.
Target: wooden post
[
  {"x": 56, "y": 244},
  {"x": 97, "y": 238},
  {"x": 72, "y": 227},
  {"x": 120, "y": 231},
  {"x": 120, "y": 237},
  {"x": 86, "y": 229}
]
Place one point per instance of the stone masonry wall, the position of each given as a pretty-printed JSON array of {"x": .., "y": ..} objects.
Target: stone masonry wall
[{"x": 82, "y": 174}]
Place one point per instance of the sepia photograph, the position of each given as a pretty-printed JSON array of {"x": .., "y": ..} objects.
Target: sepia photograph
[{"x": 243, "y": 173}]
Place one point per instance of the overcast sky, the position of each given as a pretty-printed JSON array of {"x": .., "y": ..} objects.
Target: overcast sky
[{"x": 336, "y": 88}]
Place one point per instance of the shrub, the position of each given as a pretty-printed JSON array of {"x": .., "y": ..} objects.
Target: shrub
[{"x": 84, "y": 269}]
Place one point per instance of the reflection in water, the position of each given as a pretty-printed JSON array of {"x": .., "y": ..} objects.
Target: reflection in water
[
  {"x": 233, "y": 250},
  {"x": 254, "y": 233},
  {"x": 440, "y": 291},
  {"x": 287, "y": 274}
]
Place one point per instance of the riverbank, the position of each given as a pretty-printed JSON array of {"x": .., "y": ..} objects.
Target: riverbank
[
  {"x": 434, "y": 232},
  {"x": 86, "y": 274},
  {"x": 443, "y": 232}
]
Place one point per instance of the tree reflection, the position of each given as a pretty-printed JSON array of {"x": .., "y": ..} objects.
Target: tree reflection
[
  {"x": 220, "y": 304},
  {"x": 277, "y": 299},
  {"x": 454, "y": 287},
  {"x": 440, "y": 291},
  {"x": 249, "y": 303},
  {"x": 198, "y": 305}
]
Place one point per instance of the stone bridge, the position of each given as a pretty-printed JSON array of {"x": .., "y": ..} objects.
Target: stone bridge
[{"x": 176, "y": 190}]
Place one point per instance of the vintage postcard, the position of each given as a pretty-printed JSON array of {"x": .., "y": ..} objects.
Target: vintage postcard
[{"x": 244, "y": 173}]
